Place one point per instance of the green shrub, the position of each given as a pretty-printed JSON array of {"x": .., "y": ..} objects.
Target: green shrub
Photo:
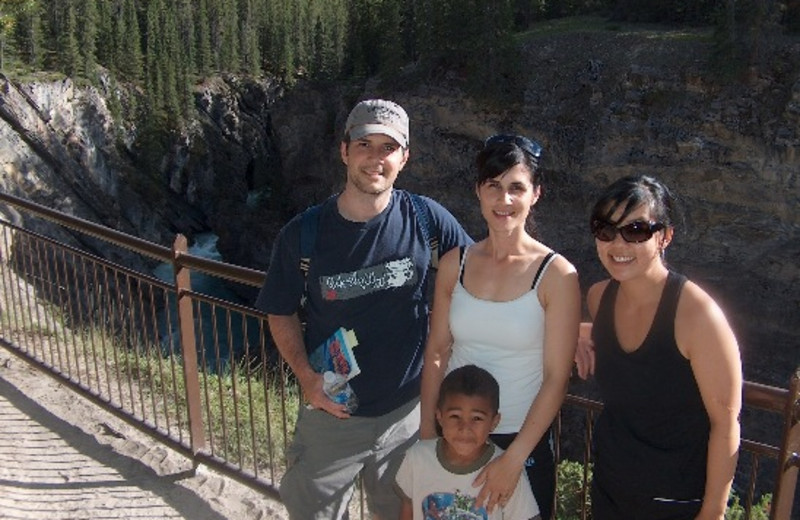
[
  {"x": 569, "y": 490},
  {"x": 569, "y": 496},
  {"x": 759, "y": 511}
]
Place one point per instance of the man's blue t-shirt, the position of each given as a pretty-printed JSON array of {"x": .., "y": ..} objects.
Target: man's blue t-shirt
[{"x": 371, "y": 277}]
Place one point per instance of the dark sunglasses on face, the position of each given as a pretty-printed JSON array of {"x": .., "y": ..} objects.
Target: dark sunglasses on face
[
  {"x": 528, "y": 146},
  {"x": 635, "y": 232}
]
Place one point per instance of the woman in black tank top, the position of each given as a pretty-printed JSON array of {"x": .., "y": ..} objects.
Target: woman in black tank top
[{"x": 667, "y": 366}]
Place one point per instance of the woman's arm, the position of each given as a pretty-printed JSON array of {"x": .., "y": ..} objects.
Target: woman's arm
[
  {"x": 437, "y": 348},
  {"x": 704, "y": 336},
  {"x": 584, "y": 355},
  {"x": 561, "y": 299}
]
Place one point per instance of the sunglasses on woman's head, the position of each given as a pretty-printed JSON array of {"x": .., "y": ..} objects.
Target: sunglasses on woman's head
[
  {"x": 634, "y": 232},
  {"x": 529, "y": 146}
]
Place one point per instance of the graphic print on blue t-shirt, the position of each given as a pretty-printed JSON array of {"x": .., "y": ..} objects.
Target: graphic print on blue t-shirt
[
  {"x": 452, "y": 506},
  {"x": 392, "y": 274}
]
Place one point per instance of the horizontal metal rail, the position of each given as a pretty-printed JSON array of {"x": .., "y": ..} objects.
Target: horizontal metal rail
[
  {"x": 201, "y": 375},
  {"x": 143, "y": 247}
]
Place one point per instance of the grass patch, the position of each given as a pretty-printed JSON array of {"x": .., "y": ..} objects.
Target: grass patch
[
  {"x": 248, "y": 411},
  {"x": 600, "y": 24},
  {"x": 570, "y": 485}
]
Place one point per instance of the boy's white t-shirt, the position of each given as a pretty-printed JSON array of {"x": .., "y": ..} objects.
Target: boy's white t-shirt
[{"x": 441, "y": 492}]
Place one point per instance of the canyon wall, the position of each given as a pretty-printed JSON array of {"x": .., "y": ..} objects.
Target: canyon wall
[{"x": 603, "y": 104}]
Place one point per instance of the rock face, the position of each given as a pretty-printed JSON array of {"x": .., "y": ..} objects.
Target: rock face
[
  {"x": 602, "y": 104},
  {"x": 605, "y": 105},
  {"x": 61, "y": 148}
]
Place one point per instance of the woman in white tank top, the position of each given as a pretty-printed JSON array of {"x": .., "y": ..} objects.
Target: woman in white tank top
[{"x": 510, "y": 305}]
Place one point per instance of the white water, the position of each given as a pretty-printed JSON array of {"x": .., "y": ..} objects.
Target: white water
[{"x": 205, "y": 245}]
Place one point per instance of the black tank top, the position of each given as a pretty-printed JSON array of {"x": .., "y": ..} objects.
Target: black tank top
[{"x": 652, "y": 435}]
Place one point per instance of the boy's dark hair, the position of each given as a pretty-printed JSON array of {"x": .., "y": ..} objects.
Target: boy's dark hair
[{"x": 470, "y": 380}]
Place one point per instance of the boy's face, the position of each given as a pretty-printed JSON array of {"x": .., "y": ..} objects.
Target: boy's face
[{"x": 466, "y": 422}]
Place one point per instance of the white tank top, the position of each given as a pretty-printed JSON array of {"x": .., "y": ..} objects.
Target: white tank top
[{"x": 505, "y": 338}]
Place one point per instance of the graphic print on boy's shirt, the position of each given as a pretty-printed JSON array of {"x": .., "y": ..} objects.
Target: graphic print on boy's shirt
[{"x": 452, "y": 506}]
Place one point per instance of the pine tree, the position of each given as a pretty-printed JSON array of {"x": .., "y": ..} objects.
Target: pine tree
[
  {"x": 429, "y": 27},
  {"x": 390, "y": 41},
  {"x": 357, "y": 40},
  {"x": 492, "y": 59},
  {"x": 317, "y": 68},
  {"x": 303, "y": 34},
  {"x": 106, "y": 12},
  {"x": 28, "y": 35},
  {"x": 10, "y": 11},
  {"x": 326, "y": 38},
  {"x": 282, "y": 47},
  {"x": 68, "y": 52},
  {"x": 187, "y": 35},
  {"x": 128, "y": 42},
  {"x": 171, "y": 65},
  {"x": 271, "y": 38},
  {"x": 204, "y": 61},
  {"x": 229, "y": 35},
  {"x": 154, "y": 80},
  {"x": 217, "y": 28},
  {"x": 249, "y": 35},
  {"x": 338, "y": 35},
  {"x": 87, "y": 37},
  {"x": 166, "y": 86}
]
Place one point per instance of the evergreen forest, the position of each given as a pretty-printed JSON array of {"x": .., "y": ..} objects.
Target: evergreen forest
[{"x": 164, "y": 46}]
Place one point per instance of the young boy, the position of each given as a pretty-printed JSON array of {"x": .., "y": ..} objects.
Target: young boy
[{"x": 435, "y": 478}]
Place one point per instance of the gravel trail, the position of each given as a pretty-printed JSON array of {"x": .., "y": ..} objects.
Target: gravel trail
[{"x": 64, "y": 458}]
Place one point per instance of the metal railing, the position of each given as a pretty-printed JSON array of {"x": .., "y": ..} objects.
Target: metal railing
[{"x": 200, "y": 374}]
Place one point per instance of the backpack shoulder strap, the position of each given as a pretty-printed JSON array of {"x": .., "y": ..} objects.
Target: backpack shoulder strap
[
  {"x": 309, "y": 222},
  {"x": 423, "y": 213},
  {"x": 308, "y": 236}
]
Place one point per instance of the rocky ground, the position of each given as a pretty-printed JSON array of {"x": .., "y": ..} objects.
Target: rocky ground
[{"x": 62, "y": 457}]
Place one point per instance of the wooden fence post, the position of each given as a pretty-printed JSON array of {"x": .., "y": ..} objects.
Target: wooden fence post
[
  {"x": 789, "y": 457},
  {"x": 188, "y": 345}
]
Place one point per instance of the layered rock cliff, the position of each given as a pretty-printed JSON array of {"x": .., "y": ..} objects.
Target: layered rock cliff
[{"x": 603, "y": 104}]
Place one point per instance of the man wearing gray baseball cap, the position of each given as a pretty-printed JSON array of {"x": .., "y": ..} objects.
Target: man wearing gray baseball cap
[
  {"x": 367, "y": 269},
  {"x": 377, "y": 116}
]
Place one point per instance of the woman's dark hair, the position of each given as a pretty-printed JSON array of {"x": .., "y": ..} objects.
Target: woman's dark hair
[
  {"x": 632, "y": 191},
  {"x": 501, "y": 153},
  {"x": 470, "y": 380}
]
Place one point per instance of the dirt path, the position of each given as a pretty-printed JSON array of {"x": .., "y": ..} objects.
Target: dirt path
[{"x": 62, "y": 457}]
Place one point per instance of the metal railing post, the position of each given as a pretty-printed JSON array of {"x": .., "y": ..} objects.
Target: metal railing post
[
  {"x": 789, "y": 458},
  {"x": 188, "y": 345}
]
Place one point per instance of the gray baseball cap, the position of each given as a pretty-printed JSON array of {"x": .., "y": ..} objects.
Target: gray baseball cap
[{"x": 378, "y": 116}]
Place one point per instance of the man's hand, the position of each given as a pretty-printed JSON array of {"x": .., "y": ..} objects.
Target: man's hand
[{"x": 317, "y": 398}]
